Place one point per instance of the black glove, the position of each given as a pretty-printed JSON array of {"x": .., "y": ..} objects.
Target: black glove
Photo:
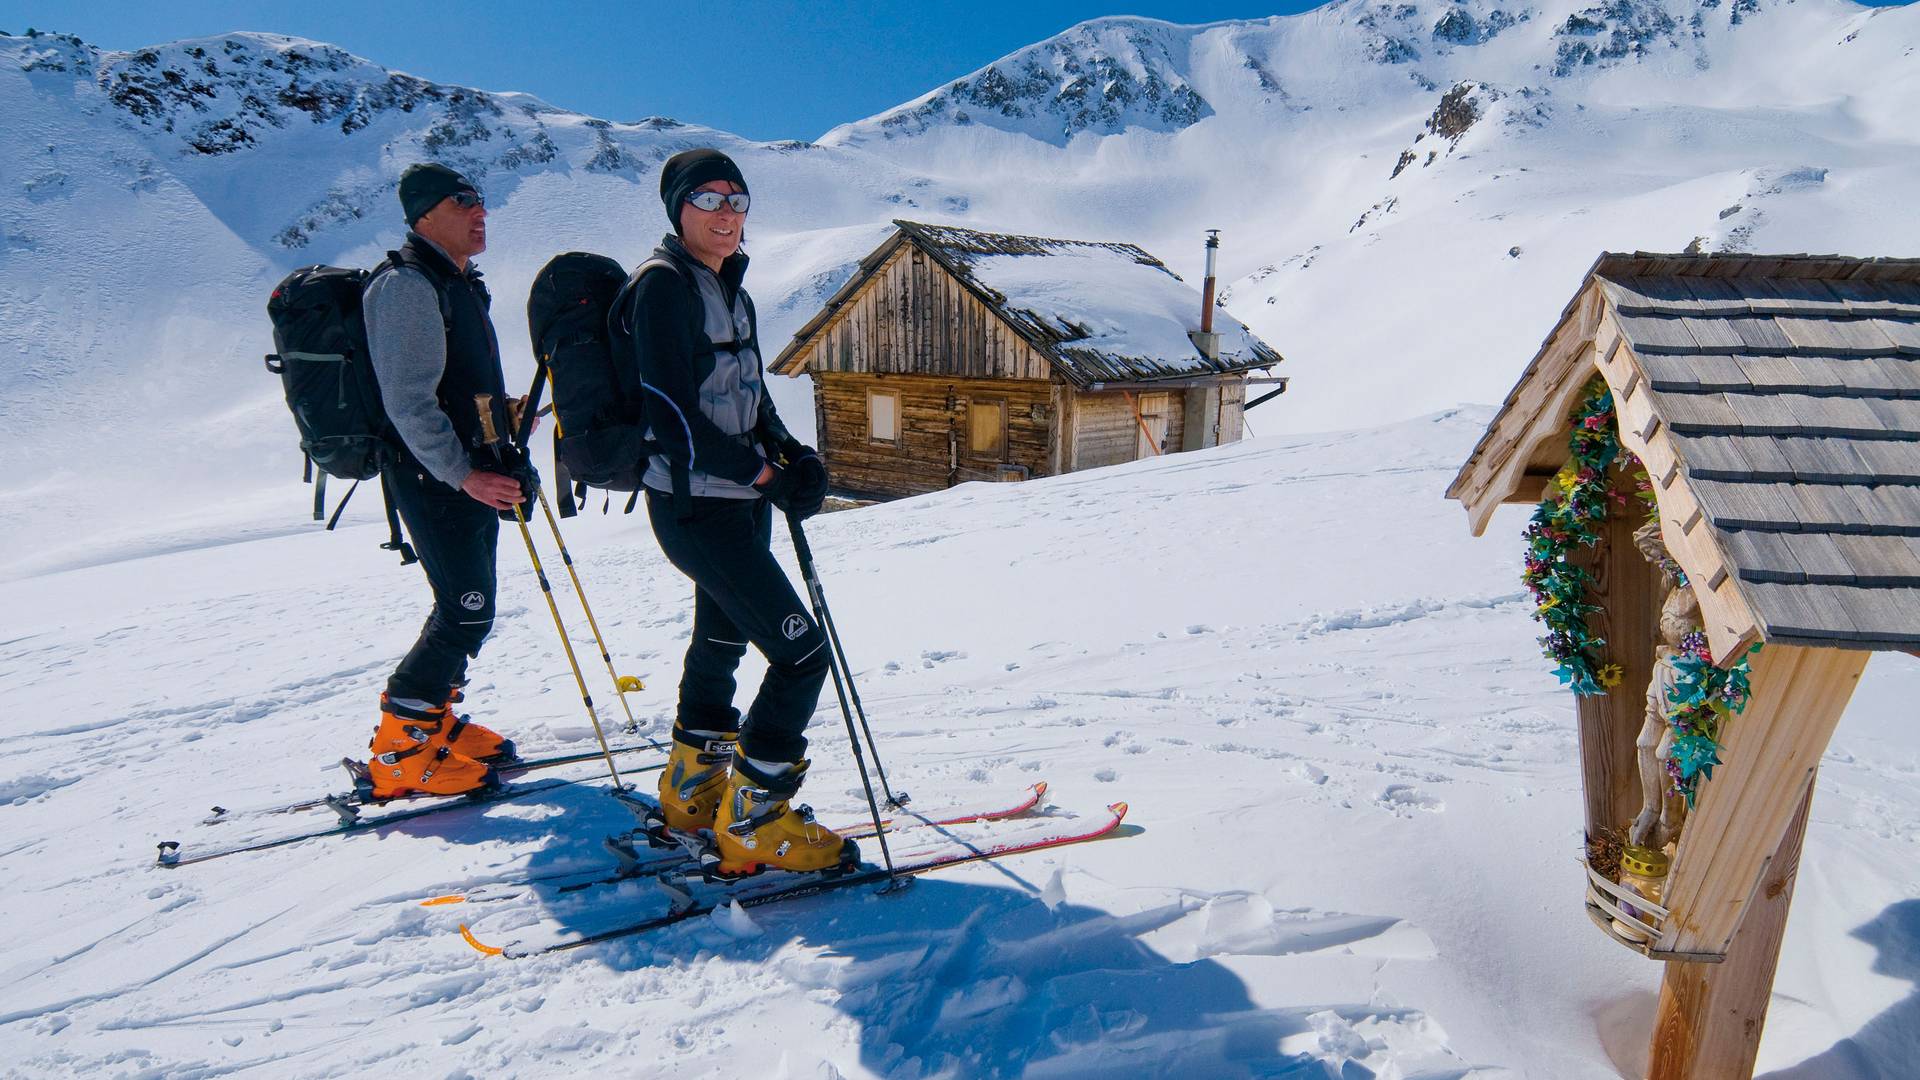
[
  {"x": 778, "y": 489},
  {"x": 519, "y": 465},
  {"x": 809, "y": 484}
]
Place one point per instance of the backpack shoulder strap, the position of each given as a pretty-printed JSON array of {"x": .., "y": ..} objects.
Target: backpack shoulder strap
[{"x": 398, "y": 258}]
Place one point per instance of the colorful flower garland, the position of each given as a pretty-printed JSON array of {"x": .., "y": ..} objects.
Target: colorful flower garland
[
  {"x": 1703, "y": 698},
  {"x": 1571, "y": 516}
]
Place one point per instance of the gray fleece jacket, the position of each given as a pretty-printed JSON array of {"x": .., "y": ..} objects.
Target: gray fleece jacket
[{"x": 408, "y": 342}]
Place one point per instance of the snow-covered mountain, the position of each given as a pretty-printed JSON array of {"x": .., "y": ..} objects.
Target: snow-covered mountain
[{"x": 1409, "y": 193}]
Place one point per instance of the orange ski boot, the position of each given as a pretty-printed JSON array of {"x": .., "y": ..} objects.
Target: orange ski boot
[
  {"x": 695, "y": 778},
  {"x": 477, "y": 741},
  {"x": 758, "y": 830},
  {"x": 410, "y": 757}
]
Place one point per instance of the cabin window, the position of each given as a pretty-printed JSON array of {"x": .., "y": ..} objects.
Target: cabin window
[
  {"x": 987, "y": 429},
  {"x": 883, "y": 416}
]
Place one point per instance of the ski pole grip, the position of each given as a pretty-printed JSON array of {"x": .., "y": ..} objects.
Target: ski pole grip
[{"x": 483, "y": 404}]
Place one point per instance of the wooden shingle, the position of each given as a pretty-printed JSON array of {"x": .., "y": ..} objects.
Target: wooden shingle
[
  {"x": 1879, "y": 560},
  {"x": 1901, "y": 415},
  {"x": 1903, "y": 333},
  {"x": 1661, "y": 333},
  {"x": 1835, "y": 337},
  {"x": 1762, "y": 555},
  {"x": 1891, "y": 461},
  {"x": 1731, "y": 505},
  {"x": 1812, "y": 415}
]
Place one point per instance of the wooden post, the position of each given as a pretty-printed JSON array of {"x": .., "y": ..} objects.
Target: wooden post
[{"x": 1711, "y": 1015}]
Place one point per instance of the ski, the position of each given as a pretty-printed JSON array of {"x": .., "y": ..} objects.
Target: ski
[
  {"x": 636, "y": 862},
  {"x": 170, "y": 855},
  {"x": 937, "y": 852},
  {"x": 221, "y": 815}
]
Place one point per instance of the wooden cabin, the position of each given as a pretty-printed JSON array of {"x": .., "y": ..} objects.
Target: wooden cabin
[
  {"x": 1774, "y": 403},
  {"x": 954, "y": 355}
]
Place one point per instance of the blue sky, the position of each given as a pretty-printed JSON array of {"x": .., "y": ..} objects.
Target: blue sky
[
  {"x": 764, "y": 70},
  {"x": 758, "y": 68}
]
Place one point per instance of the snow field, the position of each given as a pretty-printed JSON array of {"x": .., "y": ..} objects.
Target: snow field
[{"x": 1352, "y": 780}]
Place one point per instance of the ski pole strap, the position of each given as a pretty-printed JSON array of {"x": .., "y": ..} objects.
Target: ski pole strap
[
  {"x": 342, "y": 508},
  {"x": 394, "y": 540}
]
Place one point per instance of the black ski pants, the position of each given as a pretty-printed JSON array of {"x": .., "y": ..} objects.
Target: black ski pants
[
  {"x": 742, "y": 597},
  {"x": 456, "y": 538}
]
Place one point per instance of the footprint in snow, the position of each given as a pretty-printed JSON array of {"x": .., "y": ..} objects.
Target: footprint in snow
[{"x": 1405, "y": 798}]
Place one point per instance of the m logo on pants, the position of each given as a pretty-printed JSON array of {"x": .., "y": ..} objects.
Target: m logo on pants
[
  {"x": 474, "y": 601},
  {"x": 794, "y": 627}
]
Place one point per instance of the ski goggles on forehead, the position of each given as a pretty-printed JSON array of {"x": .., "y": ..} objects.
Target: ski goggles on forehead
[
  {"x": 714, "y": 200},
  {"x": 467, "y": 200}
]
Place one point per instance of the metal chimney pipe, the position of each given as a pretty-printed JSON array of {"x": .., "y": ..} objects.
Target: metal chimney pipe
[{"x": 1206, "y": 291}]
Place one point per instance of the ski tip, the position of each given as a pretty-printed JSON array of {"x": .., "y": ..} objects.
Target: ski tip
[
  {"x": 1118, "y": 810},
  {"x": 450, "y": 898},
  {"x": 478, "y": 944},
  {"x": 1040, "y": 789}
]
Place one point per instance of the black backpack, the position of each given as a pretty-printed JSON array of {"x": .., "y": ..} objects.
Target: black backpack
[
  {"x": 328, "y": 376},
  {"x": 597, "y": 434}
]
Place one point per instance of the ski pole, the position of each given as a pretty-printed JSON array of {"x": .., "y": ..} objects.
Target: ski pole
[
  {"x": 837, "y": 654},
  {"x": 484, "y": 404},
  {"x": 834, "y": 663},
  {"x": 523, "y": 435},
  {"x": 621, "y": 683}
]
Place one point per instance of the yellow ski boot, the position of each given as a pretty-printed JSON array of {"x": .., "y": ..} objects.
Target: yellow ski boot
[
  {"x": 757, "y": 830},
  {"x": 410, "y": 758},
  {"x": 695, "y": 778}
]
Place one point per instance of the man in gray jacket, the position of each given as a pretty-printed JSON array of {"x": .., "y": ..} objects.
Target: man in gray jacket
[{"x": 433, "y": 350}]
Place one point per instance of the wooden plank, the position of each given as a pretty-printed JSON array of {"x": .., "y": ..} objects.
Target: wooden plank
[
  {"x": 1711, "y": 1016},
  {"x": 1729, "y": 621},
  {"x": 1768, "y": 758}
]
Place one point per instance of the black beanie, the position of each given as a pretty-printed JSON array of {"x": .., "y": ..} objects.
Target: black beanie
[
  {"x": 423, "y": 185},
  {"x": 688, "y": 170}
]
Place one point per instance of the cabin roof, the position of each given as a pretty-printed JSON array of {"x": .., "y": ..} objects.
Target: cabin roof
[
  {"x": 1787, "y": 391},
  {"x": 1099, "y": 312}
]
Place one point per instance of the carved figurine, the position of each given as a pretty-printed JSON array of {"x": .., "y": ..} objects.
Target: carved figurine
[{"x": 1662, "y": 814}]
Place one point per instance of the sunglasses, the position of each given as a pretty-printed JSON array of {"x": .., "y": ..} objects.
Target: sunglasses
[
  {"x": 713, "y": 200},
  {"x": 467, "y": 200}
]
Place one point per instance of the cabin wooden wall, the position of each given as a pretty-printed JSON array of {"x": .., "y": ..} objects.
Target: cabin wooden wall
[
  {"x": 933, "y": 426},
  {"x": 1101, "y": 428},
  {"x": 913, "y": 318}
]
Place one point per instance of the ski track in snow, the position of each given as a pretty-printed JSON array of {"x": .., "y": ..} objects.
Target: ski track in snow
[{"x": 1352, "y": 784}]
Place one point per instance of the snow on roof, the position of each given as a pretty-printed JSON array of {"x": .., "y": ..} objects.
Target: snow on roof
[{"x": 1103, "y": 312}]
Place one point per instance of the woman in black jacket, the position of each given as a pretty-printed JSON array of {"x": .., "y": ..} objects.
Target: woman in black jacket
[{"x": 728, "y": 462}]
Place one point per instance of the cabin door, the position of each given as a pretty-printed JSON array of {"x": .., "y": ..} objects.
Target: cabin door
[{"x": 1153, "y": 425}]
